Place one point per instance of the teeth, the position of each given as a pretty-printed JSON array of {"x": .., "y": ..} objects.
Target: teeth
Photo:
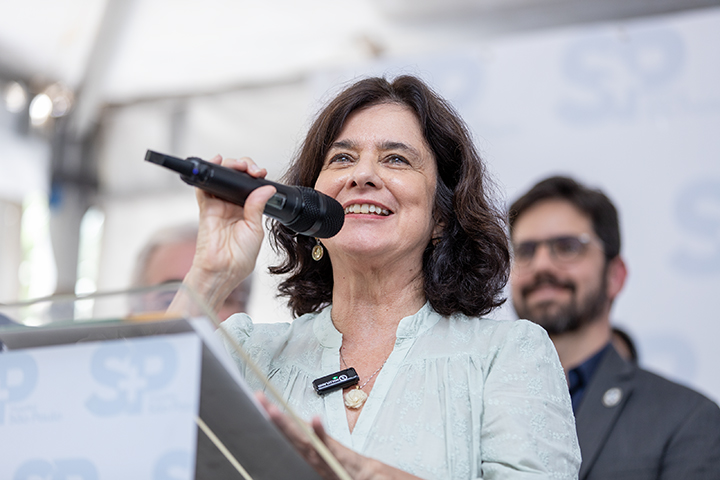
[{"x": 366, "y": 208}]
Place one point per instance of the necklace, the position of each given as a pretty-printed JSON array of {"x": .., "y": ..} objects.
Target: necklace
[{"x": 355, "y": 398}]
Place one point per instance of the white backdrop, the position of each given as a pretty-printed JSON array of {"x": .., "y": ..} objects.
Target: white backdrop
[{"x": 632, "y": 108}]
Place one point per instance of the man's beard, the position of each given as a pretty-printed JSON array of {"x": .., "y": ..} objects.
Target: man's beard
[{"x": 563, "y": 318}]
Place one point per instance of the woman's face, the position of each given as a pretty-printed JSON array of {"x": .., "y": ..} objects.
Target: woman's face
[{"x": 383, "y": 173}]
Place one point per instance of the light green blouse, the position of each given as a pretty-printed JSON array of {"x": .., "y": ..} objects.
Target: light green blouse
[{"x": 458, "y": 398}]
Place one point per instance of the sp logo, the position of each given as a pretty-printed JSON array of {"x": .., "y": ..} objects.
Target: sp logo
[
  {"x": 18, "y": 378},
  {"x": 697, "y": 210},
  {"x": 612, "y": 78},
  {"x": 174, "y": 465},
  {"x": 126, "y": 372},
  {"x": 62, "y": 469}
]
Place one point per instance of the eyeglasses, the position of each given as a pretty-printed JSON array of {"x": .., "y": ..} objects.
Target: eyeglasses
[{"x": 564, "y": 249}]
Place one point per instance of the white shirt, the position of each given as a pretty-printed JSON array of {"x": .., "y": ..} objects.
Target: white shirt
[{"x": 458, "y": 398}]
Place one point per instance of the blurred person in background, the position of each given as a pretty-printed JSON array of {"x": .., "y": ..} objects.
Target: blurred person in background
[
  {"x": 399, "y": 294},
  {"x": 167, "y": 257},
  {"x": 566, "y": 273}
]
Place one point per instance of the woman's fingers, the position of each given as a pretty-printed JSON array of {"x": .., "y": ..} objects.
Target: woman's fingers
[
  {"x": 319, "y": 429},
  {"x": 354, "y": 464},
  {"x": 282, "y": 421},
  {"x": 230, "y": 235},
  {"x": 297, "y": 437},
  {"x": 244, "y": 164},
  {"x": 291, "y": 431},
  {"x": 255, "y": 204},
  {"x": 217, "y": 159}
]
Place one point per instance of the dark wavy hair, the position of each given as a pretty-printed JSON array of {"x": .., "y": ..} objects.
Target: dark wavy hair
[
  {"x": 466, "y": 268},
  {"x": 592, "y": 202}
]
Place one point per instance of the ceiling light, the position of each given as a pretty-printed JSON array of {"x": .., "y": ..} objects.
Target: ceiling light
[
  {"x": 62, "y": 99},
  {"x": 15, "y": 97},
  {"x": 41, "y": 108}
]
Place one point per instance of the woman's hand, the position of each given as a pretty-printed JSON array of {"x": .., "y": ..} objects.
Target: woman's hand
[
  {"x": 229, "y": 237},
  {"x": 356, "y": 465}
]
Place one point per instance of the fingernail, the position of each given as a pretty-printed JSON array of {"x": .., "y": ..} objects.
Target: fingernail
[{"x": 254, "y": 168}]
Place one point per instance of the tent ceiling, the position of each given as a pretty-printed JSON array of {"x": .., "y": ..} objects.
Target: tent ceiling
[
  {"x": 165, "y": 47},
  {"x": 501, "y": 15},
  {"x": 147, "y": 48}
]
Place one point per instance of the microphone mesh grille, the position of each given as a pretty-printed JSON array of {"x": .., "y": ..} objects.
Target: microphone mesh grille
[
  {"x": 321, "y": 215},
  {"x": 332, "y": 220}
]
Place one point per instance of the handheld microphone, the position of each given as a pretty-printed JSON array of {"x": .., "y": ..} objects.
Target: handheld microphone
[{"x": 301, "y": 209}]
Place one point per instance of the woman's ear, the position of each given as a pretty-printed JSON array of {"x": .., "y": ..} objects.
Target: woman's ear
[{"x": 616, "y": 274}]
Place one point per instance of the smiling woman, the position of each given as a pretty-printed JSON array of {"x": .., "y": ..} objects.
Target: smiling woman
[
  {"x": 391, "y": 314},
  {"x": 472, "y": 238}
]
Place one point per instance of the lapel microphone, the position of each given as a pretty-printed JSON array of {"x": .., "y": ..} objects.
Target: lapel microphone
[{"x": 334, "y": 381}]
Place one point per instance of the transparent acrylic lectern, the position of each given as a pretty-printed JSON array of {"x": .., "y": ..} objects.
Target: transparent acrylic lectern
[{"x": 111, "y": 385}]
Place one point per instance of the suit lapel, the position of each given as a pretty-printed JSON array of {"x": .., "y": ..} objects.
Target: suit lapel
[{"x": 596, "y": 416}]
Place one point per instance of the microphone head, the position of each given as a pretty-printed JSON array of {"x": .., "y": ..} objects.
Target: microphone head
[{"x": 321, "y": 216}]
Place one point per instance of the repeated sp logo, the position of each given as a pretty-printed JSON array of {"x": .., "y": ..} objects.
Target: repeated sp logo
[
  {"x": 174, "y": 465},
  {"x": 697, "y": 212},
  {"x": 126, "y": 372},
  {"x": 61, "y": 469},
  {"x": 18, "y": 379},
  {"x": 609, "y": 76}
]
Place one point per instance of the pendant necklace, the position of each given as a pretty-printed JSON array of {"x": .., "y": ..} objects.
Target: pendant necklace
[{"x": 355, "y": 398}]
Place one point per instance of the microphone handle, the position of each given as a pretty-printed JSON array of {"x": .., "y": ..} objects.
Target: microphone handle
[
  {"x": 235, "y": 186},
  {"x": 301, "y": 209},
  {"x": 232, "y": 185}
]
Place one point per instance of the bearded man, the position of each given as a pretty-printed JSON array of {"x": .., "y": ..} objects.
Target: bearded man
[{"x": 567, "y": 271}]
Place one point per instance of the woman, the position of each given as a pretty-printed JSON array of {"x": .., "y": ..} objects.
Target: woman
[{"x": 397, "y": 295}]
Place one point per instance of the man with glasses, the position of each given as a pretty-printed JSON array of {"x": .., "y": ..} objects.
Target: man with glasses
[{"x": 567, "y": 271}]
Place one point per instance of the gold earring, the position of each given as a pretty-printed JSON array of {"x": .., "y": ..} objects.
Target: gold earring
[{"x": 318, "y": 251}]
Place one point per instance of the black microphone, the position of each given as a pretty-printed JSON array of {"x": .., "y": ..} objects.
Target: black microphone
[{"x": 301, "y": 209}]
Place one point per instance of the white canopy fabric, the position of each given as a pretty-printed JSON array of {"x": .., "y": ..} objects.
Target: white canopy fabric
[
  {"x": 163, "y": 47},
  {"x": 140, "y": 48}
]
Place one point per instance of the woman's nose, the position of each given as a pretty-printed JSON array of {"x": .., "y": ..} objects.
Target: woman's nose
[{"x": 365, "y": 174}]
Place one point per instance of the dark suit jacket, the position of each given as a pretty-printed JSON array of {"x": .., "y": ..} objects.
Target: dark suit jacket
[{"x": 635, "y": 425}]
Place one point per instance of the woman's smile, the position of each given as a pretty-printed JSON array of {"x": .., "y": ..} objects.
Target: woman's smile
[{"x": 367, "y": 208}]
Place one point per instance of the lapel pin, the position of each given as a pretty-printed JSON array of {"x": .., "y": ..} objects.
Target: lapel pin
[{"x": 612, "y": 397}]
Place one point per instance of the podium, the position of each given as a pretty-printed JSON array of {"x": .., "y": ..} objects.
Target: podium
[{"x": 106, "y": 386}]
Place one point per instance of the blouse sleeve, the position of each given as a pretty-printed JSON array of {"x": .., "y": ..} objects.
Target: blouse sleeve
[
  {"x": 239, "y": 327},
  {"x": 528, "y": 428},
  {"x": 260, "y": 342}
]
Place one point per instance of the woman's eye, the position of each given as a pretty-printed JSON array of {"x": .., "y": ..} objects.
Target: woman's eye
[
  {"x": 340, "y": 158},
  {"x": 397, "y": 159}
]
